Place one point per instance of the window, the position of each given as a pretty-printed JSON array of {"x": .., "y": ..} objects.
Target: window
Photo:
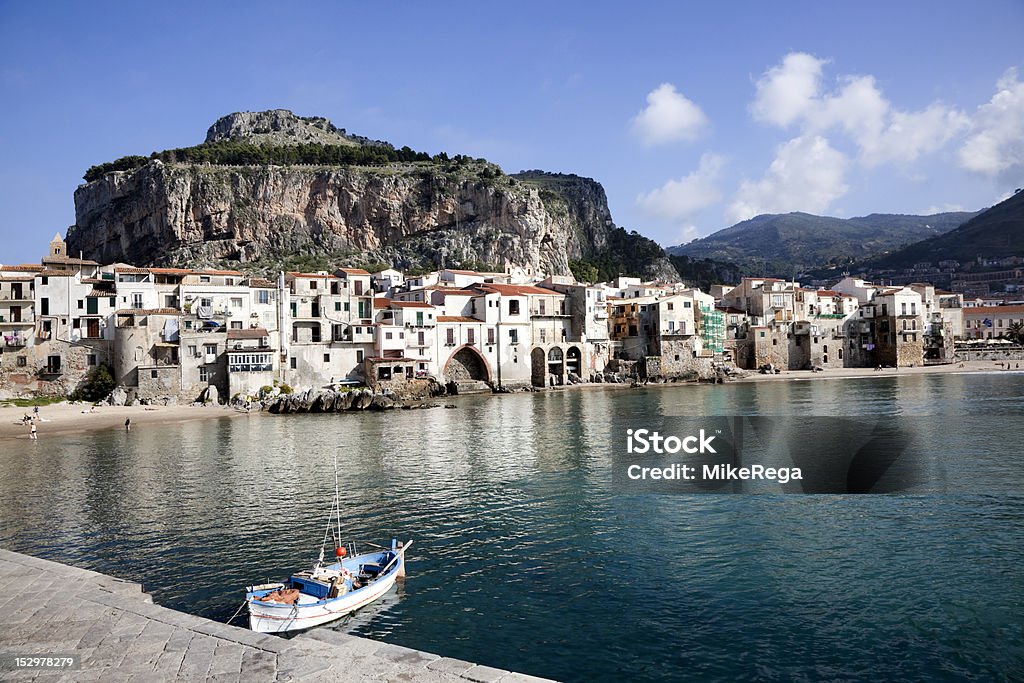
[
  {"x": 204, "y": 374},
  {"x": 75, "y": 323},
  {"x": 490, "y": 335},
  {"x": 153, "y": 374},
  {"x": 671, "y": 307},
  {"x": 687, "y": 304},
  {"x": 348, "y": 307},
  {"x": 513, "y": 307},
  {"x": 236, "y": 324},
  {"x": 513, "y": 336},
  {"x": 337, "y": 305},
  {"x": 91, "y": 359},
  {"x": 540, "y": 305},
  {"x": 204, "y": 278},
  {"x": 450, "y": 337},
  {"x": 263, "y": 296},
  {"x": 193, "y": 351},
  {"x": 388, "y": 335},
  {"x": 420, "y": 339},
  {"x": 44, "y": 280},
  {"x": 236, "y": 302},
  {"x": 327, "y": 358},
  {"x": 113, "y": 301},
  {"x": 315, "y": 336},
  {"x": 81, "y": 304},
  {"x": 44, "y": 304},
  {"x": 206, "y": 301},
  {"x": 229, "y": 281},
  {"x": 295, "y": 363},
  {"x": 312, "y": 284},
  {"x": 359, "y": 356},
  {"x": 210, "y": 349},
  {"x": 543, "y": 337},
  {"x": 22, "y": 360},
  {"x": 471, "y": 336}
]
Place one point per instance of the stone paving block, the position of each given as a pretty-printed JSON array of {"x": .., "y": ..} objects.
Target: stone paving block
[
  {"x": 484, "y": 674},
  {"x": 169, "y": 661},
  {"x": 405, "y": 655},
  {"x": 290, "y": 668},
  {"x": 258, "y": 665},
  {"x": 227, "y": 658},
  {"x": 198, "y": 657},
  {"x": 523, "y": 678},
  {"x": 449, "y": 665},
  {"x": 224, "y": 678}
]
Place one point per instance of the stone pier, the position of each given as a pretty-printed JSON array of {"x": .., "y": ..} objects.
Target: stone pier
[{"x": 47, "y": 608}]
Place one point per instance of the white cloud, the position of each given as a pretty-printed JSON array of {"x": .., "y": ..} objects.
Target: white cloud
[
  {"x": 806, "y": 175},
  {"x": 995, "y": 146},
  {"x": 680, "y": 199},
  {"x": 941, "y": 208},
  {"x": 792, "y": 93},
  {"x": 785, "y": 92},
  {"x": 669, "y": 117}
]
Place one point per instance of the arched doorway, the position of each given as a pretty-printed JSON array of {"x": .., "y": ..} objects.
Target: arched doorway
[
  {"x": 574, "y": 361},
  {"x": 467, "y": 364},
  {"x": 556, "y": 365},
  {"x": 538, "y": 371}
]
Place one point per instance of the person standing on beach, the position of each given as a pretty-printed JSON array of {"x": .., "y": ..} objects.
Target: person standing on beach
[
  {"x": 127, "y": 424},
  {"x": 32, "y": 432}
]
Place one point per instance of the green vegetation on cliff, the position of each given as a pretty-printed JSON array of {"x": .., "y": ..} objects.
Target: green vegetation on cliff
[
  {"x": 241, "y": 153},
  {"x": 626, "y": 253}
]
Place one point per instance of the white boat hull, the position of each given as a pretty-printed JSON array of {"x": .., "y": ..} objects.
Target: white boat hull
[{"x": 271, "y": 617}]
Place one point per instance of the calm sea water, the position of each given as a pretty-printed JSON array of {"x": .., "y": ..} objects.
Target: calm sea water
[{"x": 527, "y": 556}]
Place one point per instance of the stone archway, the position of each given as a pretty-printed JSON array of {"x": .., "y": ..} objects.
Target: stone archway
[
  {"x": 574, "y": 361},
  {"x": 538, "y": 367},
  {"x": 467, "y": 364},
  {"x": 556, "y": 364}
]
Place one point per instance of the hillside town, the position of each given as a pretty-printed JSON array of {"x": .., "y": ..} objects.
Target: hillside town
[{"x": 174, "y": 335}]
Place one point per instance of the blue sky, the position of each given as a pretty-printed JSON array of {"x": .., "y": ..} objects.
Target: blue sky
[{"x": 692, "y": 116}]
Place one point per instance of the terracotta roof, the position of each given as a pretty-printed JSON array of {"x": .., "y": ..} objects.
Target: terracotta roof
[
  {"x": 23, "y": 267},
  {"x": 132, "y": 269},
  {"x": 55, "y": 273},
  {"x": 381, "y": 302},
  {"x": 457, "y": 319},
  {"x": 218, "y": 272},
  {"x": 251, "y": 333},
  {"x": 466, "y": 272},
  {"x": 381, "y": 359},
  {"x": 354, "y": 271},
  {"x": 16, "y": 278},
  {"x": 992, "y": 310},
  {"x": 828, "y": 292},
  {"x": 512, "y": 290},
  {"x": 261, "y": 283},
  {"x": 148, "y": 311},
  {"x": 68, "y": 260},
  {"x": 171, "y": 271},
  {"x": 100, "y": 292}
]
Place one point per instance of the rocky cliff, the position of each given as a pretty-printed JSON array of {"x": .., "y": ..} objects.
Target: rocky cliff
[{"x": 416, "y": 212}]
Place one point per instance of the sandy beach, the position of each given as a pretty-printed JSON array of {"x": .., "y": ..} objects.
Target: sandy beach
[
  {"x": 855, "y": 373},
  {"x": 65, "y": 418}
]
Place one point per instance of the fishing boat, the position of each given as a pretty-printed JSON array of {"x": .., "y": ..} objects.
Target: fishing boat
[{"x": 328, "y": 591}]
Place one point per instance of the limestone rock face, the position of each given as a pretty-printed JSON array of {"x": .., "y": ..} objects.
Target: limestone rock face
[
  {"x": 282, "y": 127},
  {"x": 407, "y": 215}
]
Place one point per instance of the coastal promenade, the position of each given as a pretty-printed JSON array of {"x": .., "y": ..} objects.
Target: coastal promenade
[{"x": 120, "y": 635}]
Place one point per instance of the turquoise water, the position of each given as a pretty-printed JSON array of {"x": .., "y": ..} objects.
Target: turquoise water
[{"x": 528, "y": 557}]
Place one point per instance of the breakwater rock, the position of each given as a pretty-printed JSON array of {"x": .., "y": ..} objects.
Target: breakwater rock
[{"x": 330, "y": 401}]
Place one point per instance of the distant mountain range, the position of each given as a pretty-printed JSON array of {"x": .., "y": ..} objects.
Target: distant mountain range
[
  {"x": 784, "y": 245},
  {"x": 993, "y": 233}
]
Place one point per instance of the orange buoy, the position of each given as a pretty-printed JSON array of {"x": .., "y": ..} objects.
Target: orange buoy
[{"x": 340, "y": 552}]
